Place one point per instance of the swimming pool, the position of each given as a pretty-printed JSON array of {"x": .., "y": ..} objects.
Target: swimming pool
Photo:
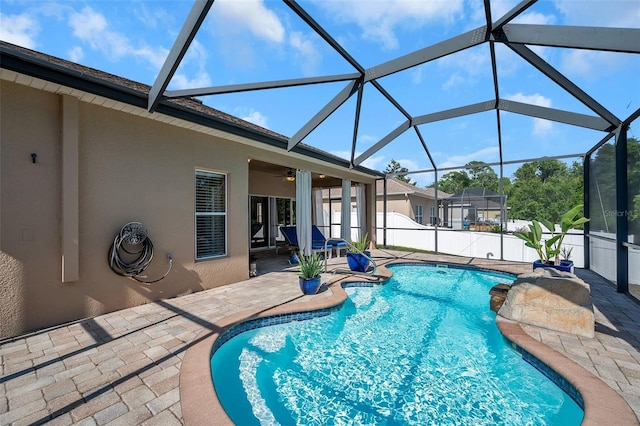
[{"x": 422, "y": 349}]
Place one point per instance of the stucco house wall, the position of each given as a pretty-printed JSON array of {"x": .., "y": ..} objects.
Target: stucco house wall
[
  {"x": 406, "y": 205},
  {"x": 130, "y": 169},
  {"x": 131, "y": 166}
]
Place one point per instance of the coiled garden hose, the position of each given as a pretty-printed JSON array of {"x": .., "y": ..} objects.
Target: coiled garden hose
[{"x": 132, "y": 252}]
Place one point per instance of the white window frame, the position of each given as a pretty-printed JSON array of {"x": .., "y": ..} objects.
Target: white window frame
[
  {"x": 203, "y": 214},
  {"x": 418, "y": 213}
]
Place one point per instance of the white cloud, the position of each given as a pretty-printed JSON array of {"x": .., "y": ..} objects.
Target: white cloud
[
  {"x": 307, "y": 56},
  {"x": 454, "y": 80},
  {"x": 76, "y": 54},
  {"x": 182, "y": 81},
  {"x": 464, "y": 67},
  {"x": 417, "y": 74},
  {"x": 248, "y": 32},
  {"x": 153, "y": 17},
  {"x": 618, "y": 14},
  {"x": 19, "y": 29},
  {"x": 541, "y": 127},
  {"x": 535, "y": 18},
  {"x": 507, "y": 60},
  {"x": 257, "y": 118},
  {"x": 580, "y": 62},
  {"x": 252, "y": 16},
  {"x": 591, "y": 64},
  {"x": 196, "y": 57},
  {"x": 487, "y": 155},
  {"x": 374, "y": 163},
  {"x": 498, "y": 8},
  {"x": 367, "y": 138},
  {"x": 536, "y": 99},
  {"x": 378, "y": 20},
  {"x": 408, "y": 163},
  {"x": 92, "y": 27},
  {"x": 88, "y": 25}
]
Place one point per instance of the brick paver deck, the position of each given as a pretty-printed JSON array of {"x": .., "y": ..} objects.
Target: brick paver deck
[{"x": 123, "y": 368}]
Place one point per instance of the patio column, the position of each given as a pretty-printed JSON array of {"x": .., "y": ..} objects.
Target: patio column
[
  {"x": 586, "y": 184},
  {"x": 318, "y": 211},
  {"x": 371, "y": 211},
  {"x": 361, "y": 208},
  {"x": 303, "y": 211},
  {"x": 345, "y": 210},
  {"x": 622, "y": 211}
]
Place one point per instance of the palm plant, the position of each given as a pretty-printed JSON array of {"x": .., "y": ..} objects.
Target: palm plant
[
  {"x": 550, "y": 249},
  {"x": 310, "y": 266},
  {"x": 360, "y": 245}
]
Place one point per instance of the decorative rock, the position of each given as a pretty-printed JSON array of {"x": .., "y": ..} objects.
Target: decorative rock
[
  {"x": 498, "y": 295},
  {"x": 551, "y": 299}
]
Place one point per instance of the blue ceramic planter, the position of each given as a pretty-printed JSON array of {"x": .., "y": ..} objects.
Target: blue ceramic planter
[
  {"x": 565, "y": 265},
  {"x": 309, "y": 285},
  {"x": 357, "y": 262}
]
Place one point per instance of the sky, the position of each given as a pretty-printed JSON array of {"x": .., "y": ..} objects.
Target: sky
[{"x": 246, "y": 41}]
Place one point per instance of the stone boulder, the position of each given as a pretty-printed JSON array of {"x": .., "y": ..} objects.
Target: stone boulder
[{"x": 551, "y": 299}]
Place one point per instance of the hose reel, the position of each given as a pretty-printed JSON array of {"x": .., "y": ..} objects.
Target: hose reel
[{"x": 132, "y": 252}]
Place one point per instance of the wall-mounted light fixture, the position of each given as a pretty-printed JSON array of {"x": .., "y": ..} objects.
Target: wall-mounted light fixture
[
  {"x": 33, "y": 157},
  {"x": 321, "y": 176}
]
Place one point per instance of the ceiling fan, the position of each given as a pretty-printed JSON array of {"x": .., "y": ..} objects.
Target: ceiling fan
[{"x": 290, "y": 176}]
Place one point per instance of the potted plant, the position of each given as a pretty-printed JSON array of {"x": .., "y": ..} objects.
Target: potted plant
[
  {"x": 310, "y": 268},
  {"x": 293, "y": 257},
  {"x": 358, "y": 256},
  {"x": 549, "y": 250}
]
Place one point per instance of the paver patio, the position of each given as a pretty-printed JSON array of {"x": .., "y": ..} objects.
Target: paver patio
[{"x": 123, "y": 368}]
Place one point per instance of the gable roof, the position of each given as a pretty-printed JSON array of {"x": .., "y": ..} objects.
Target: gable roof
[
  {"x": 75, "y": 76},
  {"x": 396, "y": 186},
  {"x": 476, "y": 194}
]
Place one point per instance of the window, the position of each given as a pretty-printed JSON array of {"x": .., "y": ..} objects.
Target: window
[
  {"x": 211, "y": 214},
  {"x": 418, "y": 214}
]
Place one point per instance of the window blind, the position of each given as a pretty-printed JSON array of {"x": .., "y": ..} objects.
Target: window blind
[{"x": 211, "y": 214}]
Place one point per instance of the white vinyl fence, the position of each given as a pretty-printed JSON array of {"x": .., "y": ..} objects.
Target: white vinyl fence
[{"x": 404, "y": 232}]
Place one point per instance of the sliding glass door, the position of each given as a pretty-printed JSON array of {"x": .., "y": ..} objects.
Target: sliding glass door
[{"x": 266, "y": 215}]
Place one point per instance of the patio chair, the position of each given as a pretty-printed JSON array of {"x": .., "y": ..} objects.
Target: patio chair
[
  {"x": 317, "y": 236},
  {"x": 291, "y": 236}
]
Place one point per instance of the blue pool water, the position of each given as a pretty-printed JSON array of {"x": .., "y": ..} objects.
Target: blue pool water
[{"x": 422, "y": 349}]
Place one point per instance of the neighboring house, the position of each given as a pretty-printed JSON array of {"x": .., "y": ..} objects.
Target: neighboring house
[
  {"x": 476, "y": 208},
  {"x": 417, "y": 203},
  {"x": 81, "y": 156}
]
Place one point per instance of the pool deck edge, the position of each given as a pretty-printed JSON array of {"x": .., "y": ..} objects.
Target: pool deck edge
[
  {"x": 602, "y": 405},
  {"x": 200, "y": 404}
]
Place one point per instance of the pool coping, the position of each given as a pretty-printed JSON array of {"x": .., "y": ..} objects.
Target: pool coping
[{"x": 200, "y": 404}]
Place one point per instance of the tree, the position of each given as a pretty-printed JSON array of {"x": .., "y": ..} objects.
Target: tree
[
  {"x": 394, "y": 167},
  {"x": 545, "y": 190},
  {"x": 453, "y": 182},
  {"x": 602, "y": 187},
  {"x": 476, "y": 175},
  {"x": 482, "y": 176}
]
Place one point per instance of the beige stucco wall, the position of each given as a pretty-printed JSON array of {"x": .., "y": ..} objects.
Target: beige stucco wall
[
  {"x": 406, "y": 205},
  {"x": 130, "y": 168},
  {"x": 396, "y": 203},
  {"x": 268, "y": 184}
]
